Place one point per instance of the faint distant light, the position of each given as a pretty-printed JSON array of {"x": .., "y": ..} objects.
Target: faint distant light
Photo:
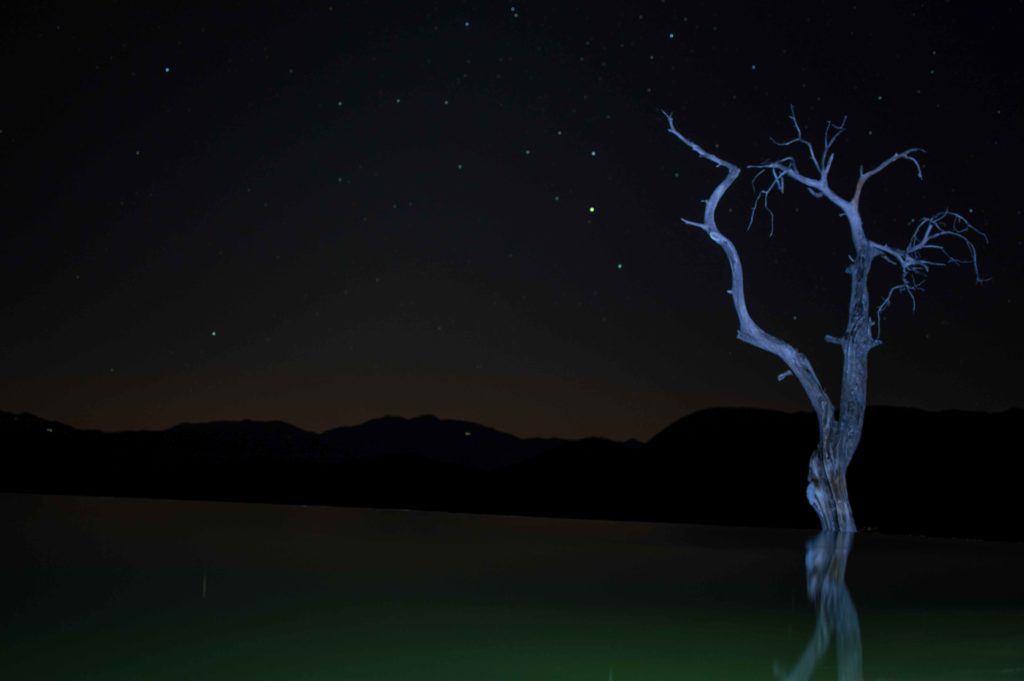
[
  {"x": 213, "y": 333},
  {"x": 593, "y": 152},
  {"x": 466, "y": 24},
  {"x": 671, "y": 36},
  {"x": 753, "y": 67},
  {"x": 591, "y": 210},
  {"x": 167, "y": 69},
  {"x": 618, "y": 266},
  {"x": 467, "y": 433}
]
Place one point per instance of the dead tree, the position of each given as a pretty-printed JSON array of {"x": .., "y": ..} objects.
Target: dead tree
[{"x": 942, "y": 239}]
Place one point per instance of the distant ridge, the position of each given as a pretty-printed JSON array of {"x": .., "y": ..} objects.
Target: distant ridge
[
  {"x": 939, "y": 473},
  {"x": 454, "y": 442}
]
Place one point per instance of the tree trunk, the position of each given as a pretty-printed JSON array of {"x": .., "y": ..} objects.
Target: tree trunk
[
  {"x": 838, "y": 439},
  {"x": 826, "y": 486}
]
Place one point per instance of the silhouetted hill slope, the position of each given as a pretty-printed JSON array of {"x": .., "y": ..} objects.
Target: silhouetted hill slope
[
  {"x": 577, "y": 479},
  {"x": 950, "y": 473},
  {"x": 943, "y": 473},
  {"x": 251, "y": 460},
  {"x": 736, "y": 466},
  {"x": 453, "y": 442},
  {"x": 954, "y": 470},
  {"x": 236, "y": 440}
]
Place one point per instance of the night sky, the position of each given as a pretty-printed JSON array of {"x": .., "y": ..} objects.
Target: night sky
[{"x": 327, "y": 212}]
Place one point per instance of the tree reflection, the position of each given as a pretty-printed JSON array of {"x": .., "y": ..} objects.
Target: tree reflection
[{"x": 837, "y": 616}]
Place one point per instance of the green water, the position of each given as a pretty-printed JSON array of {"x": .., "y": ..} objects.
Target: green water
[{"x": 130, "y": 589}]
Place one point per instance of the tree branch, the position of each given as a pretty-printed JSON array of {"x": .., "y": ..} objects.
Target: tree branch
[
  {"x": 700, "y": 151},
  {"x": 925, "y": 251},
  {"x": 798, "y": 138},
  {"x": 817, "y": 185},
  {"x": 907, "y": 155},
  {"x": 749, "y": 331}
]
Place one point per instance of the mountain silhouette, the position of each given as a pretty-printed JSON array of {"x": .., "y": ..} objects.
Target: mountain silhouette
[
  {"x": 453, "y": 442},
  {"x": 940, "y": 473}
]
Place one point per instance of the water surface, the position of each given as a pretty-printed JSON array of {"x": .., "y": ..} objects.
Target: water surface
[{"x": 99, "y": 588}]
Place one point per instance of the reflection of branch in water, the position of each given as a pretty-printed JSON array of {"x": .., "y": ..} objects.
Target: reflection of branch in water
[{"x": 837, "y": 616}]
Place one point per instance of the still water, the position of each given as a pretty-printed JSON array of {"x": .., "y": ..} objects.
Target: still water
[{"x": 96, "y": 588}]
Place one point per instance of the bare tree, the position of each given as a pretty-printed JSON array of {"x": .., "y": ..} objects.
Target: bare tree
[{"x": 942, "y": 239}]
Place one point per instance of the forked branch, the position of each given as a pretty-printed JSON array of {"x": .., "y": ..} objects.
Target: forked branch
[
  {"x": 907, "y": 155},
  {"x": 749, "y": 331},
  {"x": 816, "y": 182},
  {"x": 939, "y": 240}
]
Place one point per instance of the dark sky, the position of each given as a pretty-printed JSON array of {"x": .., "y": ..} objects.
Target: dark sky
[{"x": 327, "y": 212}]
